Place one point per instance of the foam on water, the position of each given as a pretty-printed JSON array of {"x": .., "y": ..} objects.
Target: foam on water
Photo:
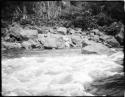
[{"x": 58, "y": 75}]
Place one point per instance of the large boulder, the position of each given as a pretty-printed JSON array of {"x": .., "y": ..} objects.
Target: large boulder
[
  {"x": 109, "y": 40},
  {"x": 96, "y": 48},
  {"x": 31, "y": 43},
  {"x": 29, "y": 33},
  {"x": 51, "y": 40},
  {"x": 62, "y": 30},
  {"x": 54, "y": 42},
  {"x": 112, "y": 42},
  {"x": 11, "y": 45},
  {"x": 50, "y": 43},
  {"x": 18, "y": 32},
  {"x": 14, "y": 32}
]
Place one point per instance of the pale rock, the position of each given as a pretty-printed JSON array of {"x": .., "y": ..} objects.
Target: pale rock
[{"x": 62, "y": 30}]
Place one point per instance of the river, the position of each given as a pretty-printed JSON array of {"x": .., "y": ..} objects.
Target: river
[{"x": 62, "y": 72}]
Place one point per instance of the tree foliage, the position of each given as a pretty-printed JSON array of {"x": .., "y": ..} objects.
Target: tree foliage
[{"x": 67, "y": 13}]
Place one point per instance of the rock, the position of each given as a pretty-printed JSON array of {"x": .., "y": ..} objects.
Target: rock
[
  {"x": 96, "y": 31},
  {"x": 112, "y": 42},
  {"x": 50, "y": 43},
  {"x": 29, "y": 33},
  {"x": 120, "y": 36},
  {"x": 67, "y": 41},
  {"x": 78, "y": 30},
  {"x": 51, "y": 40},
  {"x": 92, "y": 34},
  {"x": 41, "y": 38},
  {"x": 60, "y": 43},
  {"x": 26, "y": 45},
  {"x": 96, "y": 38},
  {"x": 62, "y": 30},
  {"x": 44, "y": 30},
  {"x": 109, "y": 40},
  {"x": 71, "y": 31},
  {"x": 14, "y": 31},
  {"x": 54, "y": 42},
  {"x": 51, "y": 30},
  {"x": 19, "y": 33},
  {"x": 39, "y": 29},
  {"x": 96, "y": 48},
  {"x": 10, "y": 45},
  {"x": 31, "y": 43},
  {"x": 76, "y": 40}
]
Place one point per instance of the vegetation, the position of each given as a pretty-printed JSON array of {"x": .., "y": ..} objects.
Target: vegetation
[{"x": 85, "y": 15}]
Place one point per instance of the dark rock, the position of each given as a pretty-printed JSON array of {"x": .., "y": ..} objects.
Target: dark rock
[
  {"x": 112, "y": 41},
  {"x": 120, "y": 36},
  {"x": 112, "y": 86}
]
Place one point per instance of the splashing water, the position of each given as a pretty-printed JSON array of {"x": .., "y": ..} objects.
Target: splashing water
[{"x": 56, "y": 75}]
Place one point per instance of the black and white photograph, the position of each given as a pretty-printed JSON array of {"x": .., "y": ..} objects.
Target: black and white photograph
[{"x": 62, "y": 48}]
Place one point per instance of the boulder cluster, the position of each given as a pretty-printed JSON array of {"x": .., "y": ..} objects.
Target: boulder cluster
[{"x": 32, "y": 37}]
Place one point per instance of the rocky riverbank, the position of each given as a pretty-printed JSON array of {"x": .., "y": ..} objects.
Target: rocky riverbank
[
  {"x": 33, "y": 37},
  {"x": 78, "y": 62}
]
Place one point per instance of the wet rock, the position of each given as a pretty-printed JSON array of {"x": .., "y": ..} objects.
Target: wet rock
[
  {"x": 112, "y": 42},
  {"x": 96, "y": 48},
  {"x": 112, "y": 86}
]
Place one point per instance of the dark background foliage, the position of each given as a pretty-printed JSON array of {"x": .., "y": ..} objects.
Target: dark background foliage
[{"x": 64, "y": 13}]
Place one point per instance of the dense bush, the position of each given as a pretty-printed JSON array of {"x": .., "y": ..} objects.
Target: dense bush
[{"x": 65, "y": 13}]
